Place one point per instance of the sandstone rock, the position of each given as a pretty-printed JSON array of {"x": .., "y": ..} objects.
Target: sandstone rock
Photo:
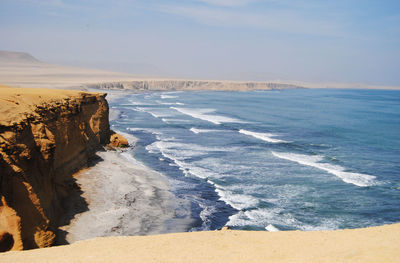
[
  {"x": 45, "y": 137},
  {"x": 117, "y": 140}
]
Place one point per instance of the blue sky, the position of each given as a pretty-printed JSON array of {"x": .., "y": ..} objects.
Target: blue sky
[{"x": 317, "y": 41}]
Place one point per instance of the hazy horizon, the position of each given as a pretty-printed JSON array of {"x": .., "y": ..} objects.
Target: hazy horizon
[{"x": 313, "y": 41}]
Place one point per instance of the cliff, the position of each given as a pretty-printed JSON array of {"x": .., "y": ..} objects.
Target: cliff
[
  {"x": 45, "y": 137},
  {"x": 191, "y": 85}
]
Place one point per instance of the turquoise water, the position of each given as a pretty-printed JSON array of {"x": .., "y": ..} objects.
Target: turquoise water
[{"x": 276, "y": 160}]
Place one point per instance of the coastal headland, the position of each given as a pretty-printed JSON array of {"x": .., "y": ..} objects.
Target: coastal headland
[{"x": 45, "y": 137}]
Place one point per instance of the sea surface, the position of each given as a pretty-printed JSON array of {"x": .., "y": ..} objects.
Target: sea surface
[{"x": 301, "y": 159}]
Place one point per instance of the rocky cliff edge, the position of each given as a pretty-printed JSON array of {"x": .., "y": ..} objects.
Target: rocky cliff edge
[{"x": 45, "y": 137}]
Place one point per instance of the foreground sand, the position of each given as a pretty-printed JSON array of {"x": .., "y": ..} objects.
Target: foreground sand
[
  {"x": 377, "y": 244},
  {"x": 17, "y": 103}
]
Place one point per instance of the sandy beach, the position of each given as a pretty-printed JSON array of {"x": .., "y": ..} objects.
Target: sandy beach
[{"x": 125, "y": 198}]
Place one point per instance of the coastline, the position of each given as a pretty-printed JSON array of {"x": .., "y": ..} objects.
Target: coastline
[{"x": 374, "y": 244}]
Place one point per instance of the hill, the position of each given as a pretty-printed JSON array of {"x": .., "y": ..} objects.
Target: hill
[{"x": 9, "y": 57}]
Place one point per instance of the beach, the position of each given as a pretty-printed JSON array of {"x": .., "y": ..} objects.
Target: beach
[{"x": 125, "y": 198}]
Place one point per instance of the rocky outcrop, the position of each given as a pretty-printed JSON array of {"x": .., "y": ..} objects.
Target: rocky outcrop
[
  {"x": 117, "y": 141},
  {"x": 191, "y": 85},
  {"x": 44, "y": 139}
]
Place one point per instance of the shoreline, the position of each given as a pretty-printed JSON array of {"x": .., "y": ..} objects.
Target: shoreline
[
  {"x": 125, "y": 198},
  {"x": 235, "y": 218}
]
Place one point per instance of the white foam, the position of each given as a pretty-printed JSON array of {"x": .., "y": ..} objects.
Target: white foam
[
  {"x": 169, "y": 103},
  {"x": 237, "y": 201},
  {"x": 204, "y": 215},
  {"x": 263, "y": 136},
  {"x": 168, "y": 120},
  {"x": 257, "y": 217},
  {"x": 197, "y": 131},
  {"x": 149, "y": 130},
  {"x": 203, "y": 114},
  {"x": 135, "y": 102},
  {"x": 165, "y": 103},
  {"x": 339, "y": 171},
  {"x": 271, "y": 228},
  {"x": 264, "y": 217},
  {"x": 117, "y": 187},
  {"x": 156, "y": 113},
  {"x": 179, "y": 153},
  {"x": 168, "y": 97},
  {"x": 184, "y": 150},
  {"x": 139, "y": 109}
]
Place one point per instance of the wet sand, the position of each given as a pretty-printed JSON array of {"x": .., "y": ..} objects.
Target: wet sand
[{"x": 125, "y": 198}]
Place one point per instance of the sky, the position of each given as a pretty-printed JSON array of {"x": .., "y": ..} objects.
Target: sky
[{"x": 347, "y": 41}]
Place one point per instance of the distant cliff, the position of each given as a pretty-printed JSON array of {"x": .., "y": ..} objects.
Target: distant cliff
[
  {"x": 45, "y": 137},
  {"x": 191, "y": 85}
]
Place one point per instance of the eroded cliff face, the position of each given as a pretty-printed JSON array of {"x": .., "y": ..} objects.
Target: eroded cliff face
[
  {"x": 190, "y": 85},
  {"x": 44, "y": 140}
]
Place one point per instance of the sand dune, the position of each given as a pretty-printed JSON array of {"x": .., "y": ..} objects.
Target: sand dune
[
  {"x": 377, "y": 244},
  {"x": 23, "y": 70}
]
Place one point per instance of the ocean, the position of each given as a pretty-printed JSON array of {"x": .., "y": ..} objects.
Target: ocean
[{"x": 298, "y": 159}]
